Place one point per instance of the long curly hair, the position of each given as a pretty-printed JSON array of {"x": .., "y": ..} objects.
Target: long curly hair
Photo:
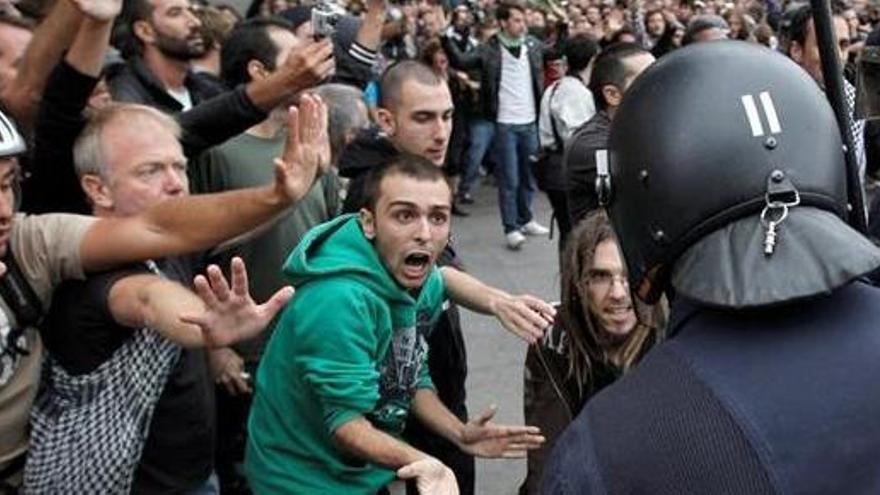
[{"x": 588, "y": 343}]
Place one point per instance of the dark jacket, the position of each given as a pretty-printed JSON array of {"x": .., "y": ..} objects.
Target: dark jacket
[
  {"x": 369, "y": 148},
  {"x": 487, "y": 59},
  {"x": 355, "y": 63},
  {"x": 579, "y": 163},
  {"x": 552, "y": 397},
  {"x": 776, "y": 400},
  {"x": 135, "y": 83},
  {"x": 52, "y": 185}
]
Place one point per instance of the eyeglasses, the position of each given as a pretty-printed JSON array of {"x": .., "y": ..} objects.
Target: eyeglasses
[{"x": 602, "y": 280}]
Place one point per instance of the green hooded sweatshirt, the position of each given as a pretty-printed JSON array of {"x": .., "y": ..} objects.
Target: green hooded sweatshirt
[{"x": 351, "y": 343}]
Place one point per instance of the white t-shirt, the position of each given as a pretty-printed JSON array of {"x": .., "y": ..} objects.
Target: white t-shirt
[
  {"x": 182, "y": 96},
  {"x": 516, "y": 102}
]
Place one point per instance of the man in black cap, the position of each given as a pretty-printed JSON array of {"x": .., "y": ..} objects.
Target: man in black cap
[{"x": 734, "y": 209}]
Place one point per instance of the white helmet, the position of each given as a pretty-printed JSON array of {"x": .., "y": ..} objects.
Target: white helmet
[{"x": 11, "y": 141}]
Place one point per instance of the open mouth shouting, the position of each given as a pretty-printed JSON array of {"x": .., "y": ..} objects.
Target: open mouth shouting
[{"x": 416, "y": 265}]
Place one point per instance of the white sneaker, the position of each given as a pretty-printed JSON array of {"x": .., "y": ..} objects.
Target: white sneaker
[
  {"x": 515, "y": 239},
  {"x": 534, "y": 228}
]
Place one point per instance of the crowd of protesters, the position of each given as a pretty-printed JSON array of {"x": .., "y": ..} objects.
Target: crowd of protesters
[{"x": 150, "y": 338}]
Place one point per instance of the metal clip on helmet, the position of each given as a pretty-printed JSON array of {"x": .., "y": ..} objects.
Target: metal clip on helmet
[
  {"x": 11, "y": 142},
  {"x": 728, "y": 180}
]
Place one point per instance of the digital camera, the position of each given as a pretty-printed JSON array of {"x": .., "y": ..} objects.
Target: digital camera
[{"x": 325, "y": 16}]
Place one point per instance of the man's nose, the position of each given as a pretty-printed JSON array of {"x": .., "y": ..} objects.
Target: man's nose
[
  {"x": 7, "y": 206},
  {"x": 193, "y": 20},
  {"x": 423, "y": 230},
  {"x": 619, "y": 288},
  {"x": 173, "y": 181},
  {"x": 440, "y": 130}
]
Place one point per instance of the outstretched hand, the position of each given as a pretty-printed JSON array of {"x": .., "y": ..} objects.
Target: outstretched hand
[
  {"x": 525, "y": 316},
  {"x": 306, "y": 149},
  {"x": 432, "y": 477},
  {"x": 482, "y": 438},
  {"x": 231, "y": 315}
]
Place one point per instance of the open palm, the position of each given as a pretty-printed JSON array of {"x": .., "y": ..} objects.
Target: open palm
[
  {"x": 231, "y": 315},
  {"x": 306, "y": 149},
  {"x": 482, "y": 438}
]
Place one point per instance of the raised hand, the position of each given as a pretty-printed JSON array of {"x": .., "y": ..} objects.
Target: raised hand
[
  {"x": 322, "y": 139},
  {"x": 306, "y": 150},
  {"x": 432, "y": 477},
  {"x": 482, "y": 438},
  {"x": 307, "y": 66},
  {"x": 100, "y": 10},
  {"x": 231, "y": 315},
  {"x": 525, "y": 316}
]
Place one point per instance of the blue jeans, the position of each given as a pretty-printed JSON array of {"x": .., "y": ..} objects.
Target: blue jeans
[
  {"x": 517, "y": 145},
  {"x": 480, "y": 133}
]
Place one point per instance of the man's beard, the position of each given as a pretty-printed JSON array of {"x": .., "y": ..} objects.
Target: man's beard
[{"x": 179, "y": 49}]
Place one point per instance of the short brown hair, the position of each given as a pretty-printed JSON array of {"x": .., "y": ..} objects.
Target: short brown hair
[
  {"x": 394, "y": 77},
  {"x": 405, "y": 164}
]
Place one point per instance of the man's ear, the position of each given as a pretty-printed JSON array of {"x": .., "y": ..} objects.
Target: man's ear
[
  {"x": 143, "y": 31},
  {"x": 256, "y": 70},
  {"x": 368, "y": 223},
  {"x": 612, "y": 95},
  {"x": 385, "y": 119},
  {"x": 97, "y": 192}
]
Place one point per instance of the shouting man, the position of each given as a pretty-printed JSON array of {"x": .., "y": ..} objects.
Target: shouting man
[{"x": 347, "y": 362}]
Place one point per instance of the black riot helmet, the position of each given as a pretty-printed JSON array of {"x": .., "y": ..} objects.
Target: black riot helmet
[{"x": 728, "y": 181}]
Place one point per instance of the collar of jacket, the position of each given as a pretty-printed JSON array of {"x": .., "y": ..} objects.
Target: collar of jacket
[{"x": 155, "y": 86}]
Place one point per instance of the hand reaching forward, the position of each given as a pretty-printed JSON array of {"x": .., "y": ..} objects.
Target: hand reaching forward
[
  {"x": 99, "y": 10},
  {"x": 481, "y": 438},
  {"x": 432, "y": 477},
  {"x": 231, "y": 315},
  {"x": 305, "y": 148},
  {"x": 525, "y": 316}
]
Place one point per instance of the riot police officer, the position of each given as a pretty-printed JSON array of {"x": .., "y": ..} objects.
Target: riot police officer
[{"x": 727, "y": 191}]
